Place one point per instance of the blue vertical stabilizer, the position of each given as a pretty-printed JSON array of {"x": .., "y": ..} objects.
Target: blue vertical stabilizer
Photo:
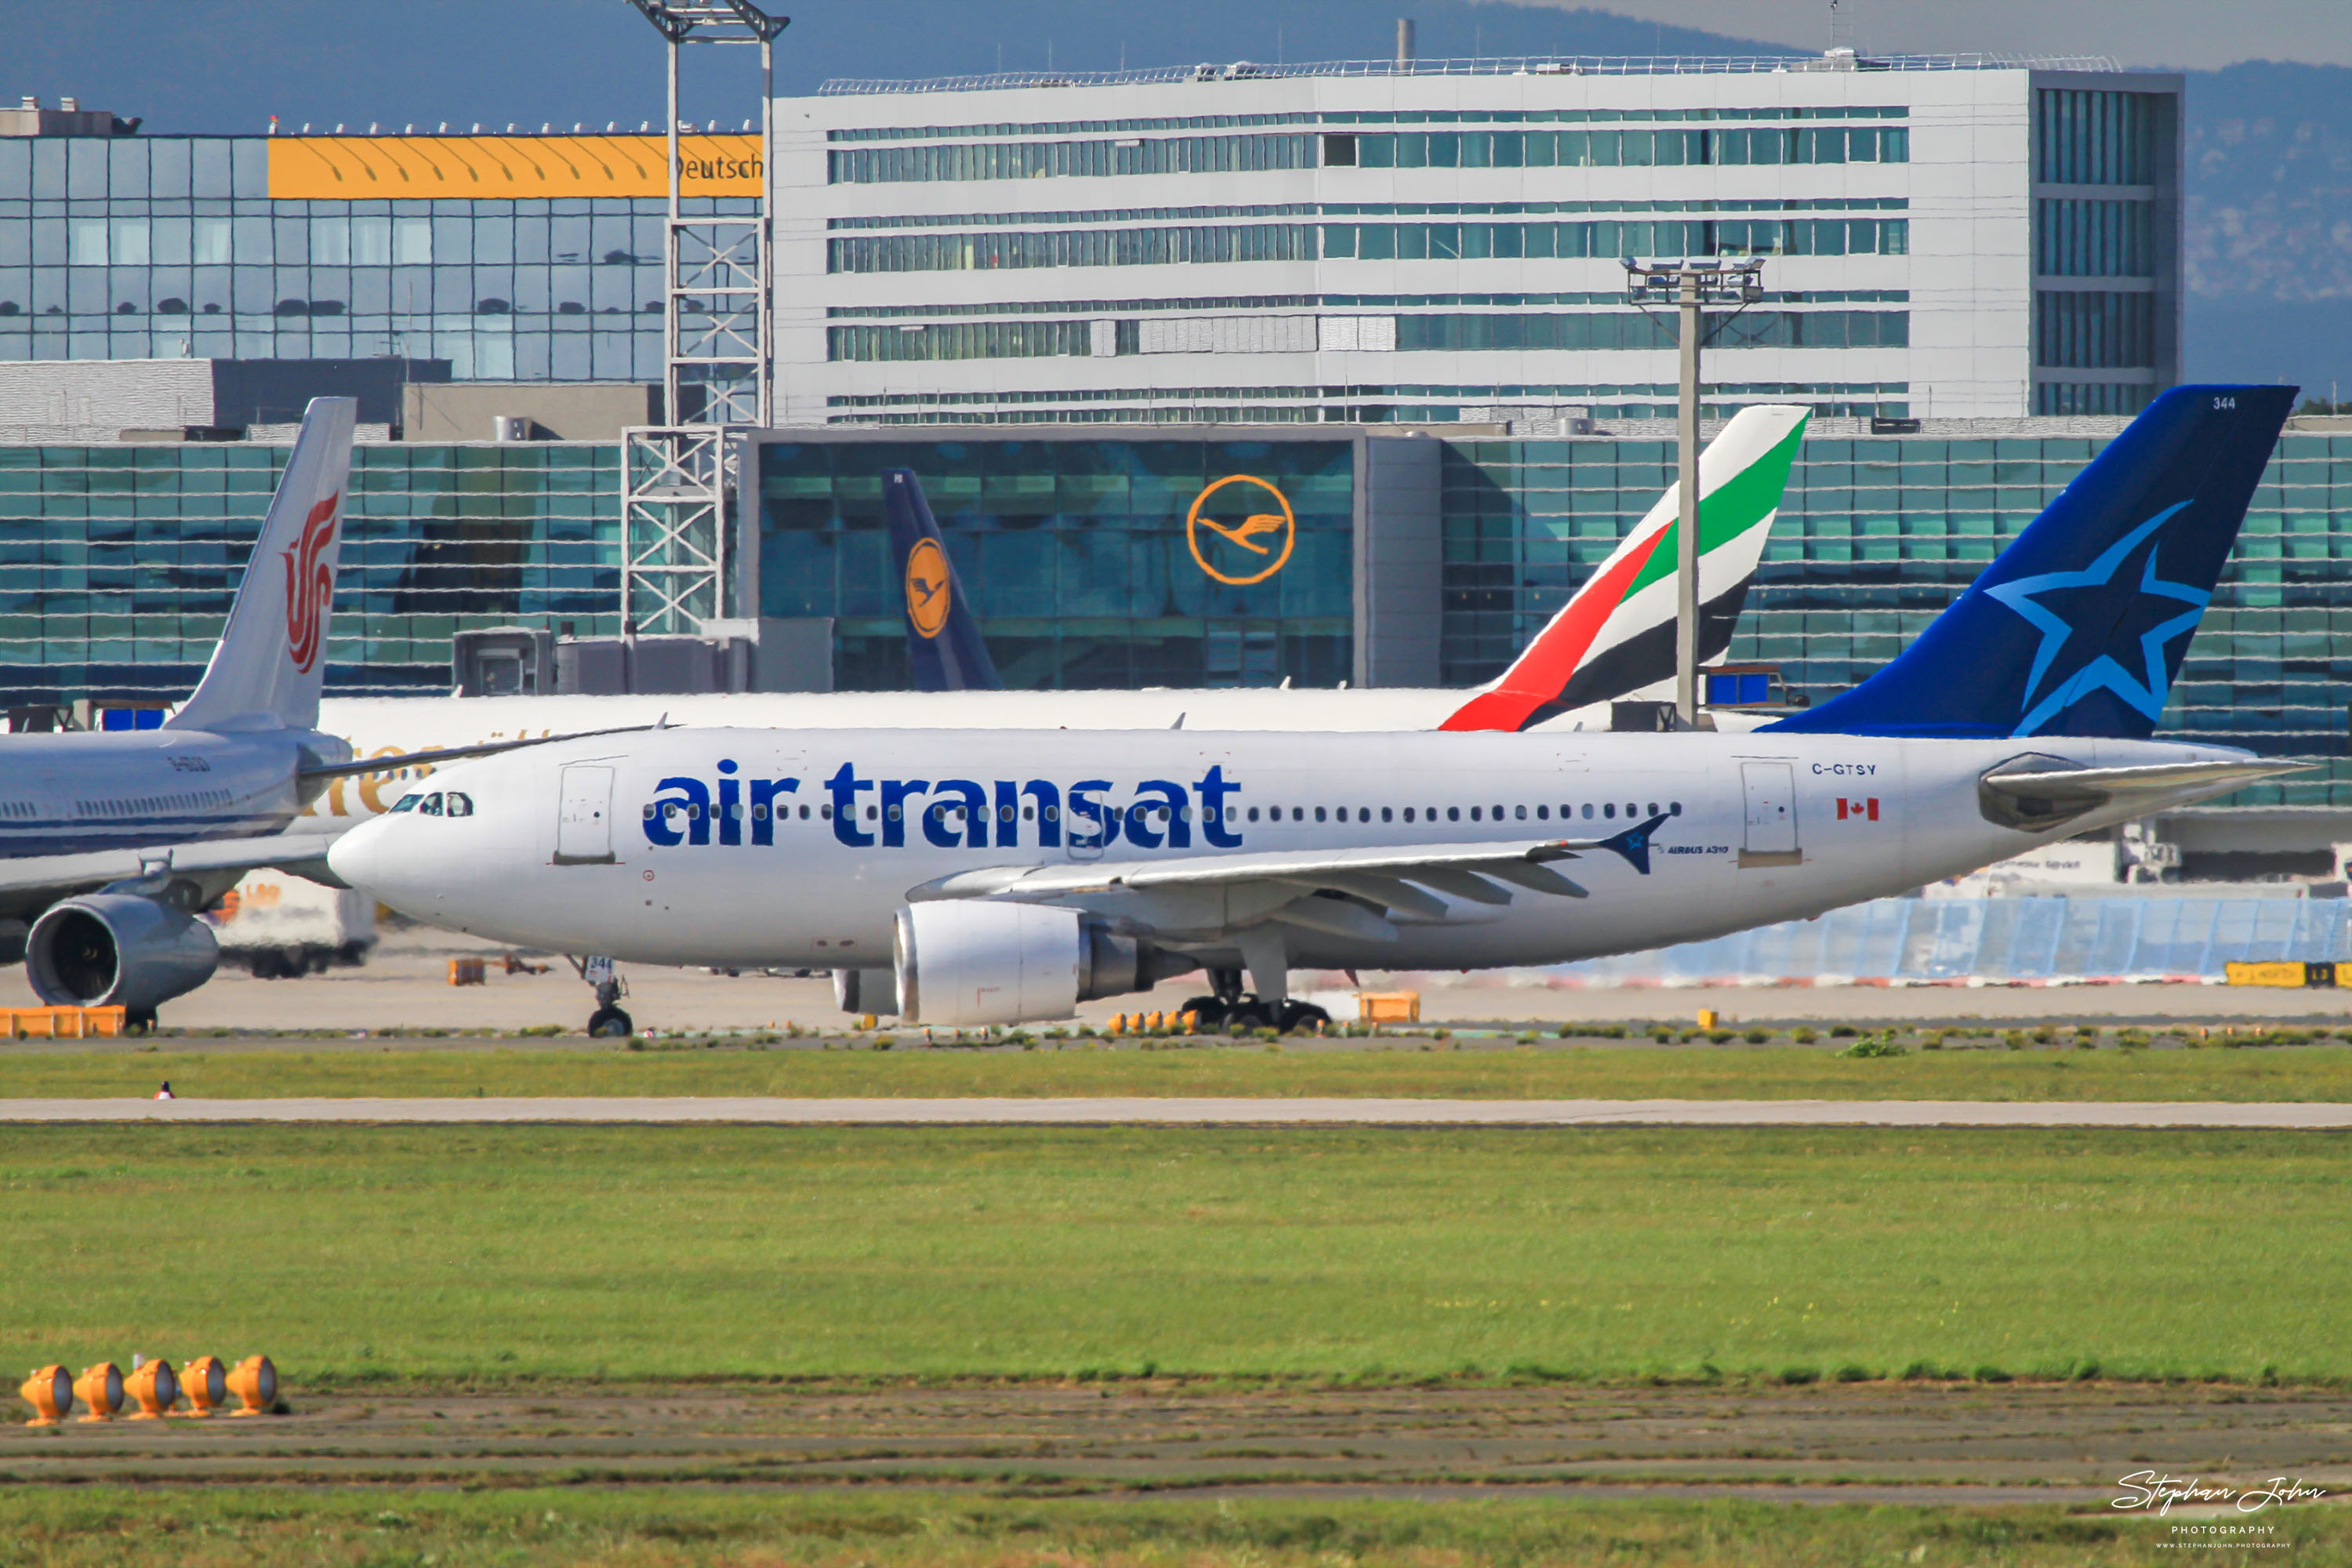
[
  {"x": 944, "y": 647},
  {"x": 2077, "y": 628}
]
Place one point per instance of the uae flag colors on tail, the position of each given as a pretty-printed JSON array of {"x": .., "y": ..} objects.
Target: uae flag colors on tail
[{"x": 1616, "y": 635}]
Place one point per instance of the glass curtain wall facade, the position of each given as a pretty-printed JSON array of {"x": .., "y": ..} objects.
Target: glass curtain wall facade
[
  {"x": 117, "y": 564},
  {"x": 1877, "y": 534},
  {"x": 2104, "y": 298},
  {"x": 1086, "y": 568},
  {"x": 515, "y": 259},
  {"x": 1111, "y": 563}
]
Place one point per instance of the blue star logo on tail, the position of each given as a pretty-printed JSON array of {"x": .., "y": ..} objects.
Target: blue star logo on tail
[{"x": 2107, "y": 603}]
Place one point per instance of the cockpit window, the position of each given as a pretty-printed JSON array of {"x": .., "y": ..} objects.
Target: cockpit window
[
  {"x": 430, "y": 805},
  {"x": 406, "y": 803},
  {"x": 460, "y": 803}
]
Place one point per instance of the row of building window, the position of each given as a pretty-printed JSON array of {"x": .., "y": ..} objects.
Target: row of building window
[
  {"x": 2083, "y": 238},
  {"x": 2092, "y": 397},
  {"x": 1367, "y": 116},
  {"x": 1681, "y": 206},
  {"x": 614, "y": 240},
  {"x": 2093, "y": 329},
  {"x": 2092, "y": 138},
  {"x": 1510, "y": 301},
  {"x": 1618, "y": 149},
  {"x": 1743, "y": 145},
  {"x": 1309, "y": 334},
  {"x": 1725, "y": 236},
  {"x": 1370, "y": 242}
]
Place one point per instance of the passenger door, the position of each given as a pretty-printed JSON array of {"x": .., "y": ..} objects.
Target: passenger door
[
  {"x": 584, "y": 822},
  {"x": 1771, "y": 792}
]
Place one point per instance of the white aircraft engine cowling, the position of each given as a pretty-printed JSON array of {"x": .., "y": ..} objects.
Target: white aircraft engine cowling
[
  {"x": 962, "y": 965},
  {"x": 110, "y": 949}
]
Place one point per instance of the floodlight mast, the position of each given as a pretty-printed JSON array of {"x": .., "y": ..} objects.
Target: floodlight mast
[
  {"x": 718, "y": 332},
  {"x": 1690, "y": 286}
]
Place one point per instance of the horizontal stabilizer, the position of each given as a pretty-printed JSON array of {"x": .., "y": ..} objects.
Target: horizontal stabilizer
[{"x": 2038, "y": 793}]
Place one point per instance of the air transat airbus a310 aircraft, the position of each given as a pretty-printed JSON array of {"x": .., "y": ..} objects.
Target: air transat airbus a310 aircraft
[
  {"x": 1614, "y": 639},
  {"x": 1003, "y": 877}
]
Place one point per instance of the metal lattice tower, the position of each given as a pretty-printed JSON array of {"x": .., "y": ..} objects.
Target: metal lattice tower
[{"x": 717, "y": 327}]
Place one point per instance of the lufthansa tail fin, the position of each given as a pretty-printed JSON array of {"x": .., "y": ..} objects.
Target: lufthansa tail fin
[
  {"x": 943, "y": 642},
  {"x": 2077, "y": 628},
  {"x": 271, "y": 662},
  {"x": 1616, "y": 635}
]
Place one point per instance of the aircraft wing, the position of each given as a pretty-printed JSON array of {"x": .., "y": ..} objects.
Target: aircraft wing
[
  {"x": 1352, "y": 892},
  {"x": 61, "y": 876},
  {"x": 458, "y": 753}
]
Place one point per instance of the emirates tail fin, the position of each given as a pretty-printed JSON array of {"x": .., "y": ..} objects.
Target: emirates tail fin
[
  {"x": 271, "y": 662},
  {"x": 1616, "y": 635}
]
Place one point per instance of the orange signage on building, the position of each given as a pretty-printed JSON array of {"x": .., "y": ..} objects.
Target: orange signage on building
[
  {"x": 930, "y": 593},
  {"x": 506, "y": 168},
  {"x": 1267, "y": 537}
]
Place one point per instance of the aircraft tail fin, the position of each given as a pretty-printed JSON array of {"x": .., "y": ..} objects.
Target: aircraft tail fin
[
  {"x": 271, "y": 662},
  {"x": 2078, "y": 627},
  {"x": 1617, "y": 634},
  {"x": 943, "y": 642}
]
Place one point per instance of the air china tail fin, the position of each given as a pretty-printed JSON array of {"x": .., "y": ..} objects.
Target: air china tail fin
[
  {"x": 1617, "y": 635},
  {"x": 943, "y": 641},
  {"x": 271, "y": 662},
  {"x": 2077, "y": 628}
]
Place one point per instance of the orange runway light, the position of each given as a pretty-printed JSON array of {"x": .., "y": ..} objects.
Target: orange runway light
[
  {"x": 50, "y": 1391},
  {"x": 255, "y": 1382},
  {"x": 205, "y": 1383},
  {"x": 153, "y": 1385},
  {"x": 100, "y": 1388}
]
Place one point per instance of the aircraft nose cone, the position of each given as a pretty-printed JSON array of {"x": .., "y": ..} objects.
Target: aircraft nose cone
[{"x": 362, "y": 857}]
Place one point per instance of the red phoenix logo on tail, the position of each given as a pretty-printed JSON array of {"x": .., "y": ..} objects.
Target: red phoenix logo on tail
[{"x": 310, "y": 584}]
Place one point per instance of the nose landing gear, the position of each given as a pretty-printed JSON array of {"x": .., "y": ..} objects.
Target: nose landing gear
[{"x": 607, "y": 1022}]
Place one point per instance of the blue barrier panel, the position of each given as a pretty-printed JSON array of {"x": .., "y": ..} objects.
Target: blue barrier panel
[{"x": 2003, "y": 938}]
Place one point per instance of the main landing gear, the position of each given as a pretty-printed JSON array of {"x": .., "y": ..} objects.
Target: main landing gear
[
  {"x": 1230, "y": 1007},
  {"x": 607, "y": 1022}
]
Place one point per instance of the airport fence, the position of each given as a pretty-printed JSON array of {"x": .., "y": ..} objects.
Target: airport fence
[{"x": 2021, "y": 939}]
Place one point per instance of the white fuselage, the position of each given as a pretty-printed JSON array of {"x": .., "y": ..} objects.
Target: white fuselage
[
  {"x": 76, "y": 791},
  {"x": 654, "y": 848},
  {"x": 392, "y": 727}
]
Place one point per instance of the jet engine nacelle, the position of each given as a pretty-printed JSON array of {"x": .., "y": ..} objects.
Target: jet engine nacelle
[
  {"x": 118, "y": 950},
  {"x": 962, "y": 964}
]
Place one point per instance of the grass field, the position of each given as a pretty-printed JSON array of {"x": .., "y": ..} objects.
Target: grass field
[
  {"x": 687, "y": 1528},
  {"x": 1510, "y": 1072},
  {"x": 1617, "y": 1253}
]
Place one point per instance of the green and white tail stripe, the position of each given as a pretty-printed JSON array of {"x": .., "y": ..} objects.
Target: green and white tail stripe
[{"x": 1616, "y": 635}]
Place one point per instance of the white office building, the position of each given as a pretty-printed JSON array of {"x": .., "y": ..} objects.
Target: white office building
[{"x": 1440, "y": 241}]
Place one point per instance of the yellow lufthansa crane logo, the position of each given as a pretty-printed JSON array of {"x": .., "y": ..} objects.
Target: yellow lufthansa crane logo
[
  {"x": 928, "y": 595},
  {"x": 1269, "y": 536}
]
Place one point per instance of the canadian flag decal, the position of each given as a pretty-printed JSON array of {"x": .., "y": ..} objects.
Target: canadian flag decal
[
  {"x": 310, "y": 583},
  {"x": 1864, "y": 808}
]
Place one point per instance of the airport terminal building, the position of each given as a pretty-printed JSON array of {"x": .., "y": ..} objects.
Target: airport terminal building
[
  {"x": 1952, "y": 237},
  {"x": 1335, "y": 283}
]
